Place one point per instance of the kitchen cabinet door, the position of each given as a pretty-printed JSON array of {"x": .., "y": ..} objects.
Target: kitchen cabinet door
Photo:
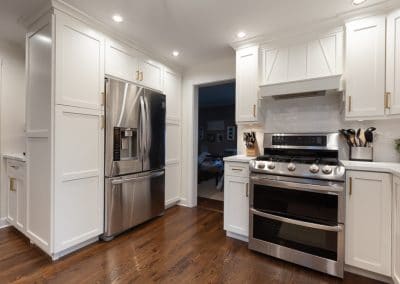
[
  {"x": 368, "y": 221},
  {"x": 247, "y": 85},
  {"x": 121, "y": 61},
  {"x": 365, "y": 67},
  {"x": 79, "y": 63},
  {"x": 396, "y": 230},
  {"x": 393, "y": 62},
  {"x": 172, "y": 91},
  {"x": 151, "y": 74},
  {"x": 236, "y": 205},
  {"x": 16, "y": 194},
  {"x": 79, "y": 178}
]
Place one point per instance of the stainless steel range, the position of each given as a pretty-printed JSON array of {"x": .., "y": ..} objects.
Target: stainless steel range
[{"x": 297, "y": 201}]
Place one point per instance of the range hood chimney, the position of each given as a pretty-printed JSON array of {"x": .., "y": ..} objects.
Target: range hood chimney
[{"x": 320, "y": 84}]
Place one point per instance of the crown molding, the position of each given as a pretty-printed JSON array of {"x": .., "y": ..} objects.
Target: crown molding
[
  {"x": 321, "y": 26},
  {"x": 72, "y": 11}
]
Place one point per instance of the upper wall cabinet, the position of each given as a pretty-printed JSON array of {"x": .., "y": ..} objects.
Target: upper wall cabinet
[
  {"x": 393, "y": 63},
  {"x": 293, "y": 61},
  {"x": 79, "y": 64},
  {"x": 365, "y": 67},
  {"x": 126, "y": 63},
  {"x": 247, "y": 110},
  {"x": 172, "y": 89}
]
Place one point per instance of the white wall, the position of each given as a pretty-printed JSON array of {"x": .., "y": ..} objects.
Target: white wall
[
  {"x": 207, "y": 73},
  {"x": 12, "y": 107}
]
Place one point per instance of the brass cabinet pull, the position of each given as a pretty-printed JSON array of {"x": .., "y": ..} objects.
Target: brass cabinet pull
[
  {"x": 141, "y": 78},
  {"x": 103, "y": 99},
  {"x": 254, "y": 110},
  {"x": 102, "y": 121},
  {"x": 349, "y": 103},
  {"x": 137, "y": 75},
  {"x": 236, "y": 169},
  {"x": 350, "y": 186},
  {"x": 387, "y": 96},
  {"x": 12, "y": 184},
  {"x": 247, "y": 190}
]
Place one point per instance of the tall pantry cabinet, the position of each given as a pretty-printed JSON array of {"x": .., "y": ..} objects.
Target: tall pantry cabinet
[{"x": 65, "y": 75}]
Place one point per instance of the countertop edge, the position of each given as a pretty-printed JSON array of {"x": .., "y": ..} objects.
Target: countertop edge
[{"x": 16, "y": 157}]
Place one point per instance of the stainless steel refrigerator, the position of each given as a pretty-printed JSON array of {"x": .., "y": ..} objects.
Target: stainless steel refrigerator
[{"x": 134, "y": 156}]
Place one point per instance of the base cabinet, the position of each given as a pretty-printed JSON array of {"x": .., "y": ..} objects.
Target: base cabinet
[
  {"x": 368, "y": 221},
  {"x": 16, "y": 212},
  {"x": 236, "y": 204},
  {"x": 396, "y": 231}
]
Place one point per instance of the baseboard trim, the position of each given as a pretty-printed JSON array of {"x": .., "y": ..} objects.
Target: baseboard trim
[
  {"x": 4, "y": 223},
  {"x": 368, "y": 274},
  {"x": 237, "y": 236},
  {"x": 58, "y": 255},
  {"x": 172, "y": 202}
]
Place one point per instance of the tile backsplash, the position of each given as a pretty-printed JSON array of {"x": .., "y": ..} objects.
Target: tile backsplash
[{"x": 321, "y": 113}]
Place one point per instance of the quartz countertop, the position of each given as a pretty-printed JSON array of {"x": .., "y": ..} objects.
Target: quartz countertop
[
  {"x": 15, "y": 156},
  {"x": 393, "y": 168},
  {"x": 239, "y": 158}
]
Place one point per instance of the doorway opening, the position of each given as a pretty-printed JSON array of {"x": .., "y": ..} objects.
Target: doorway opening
[{"x": 216, "y": 140}]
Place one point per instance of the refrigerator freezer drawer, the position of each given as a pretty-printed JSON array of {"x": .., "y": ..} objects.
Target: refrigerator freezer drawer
[{"x": 131, "y": 200}]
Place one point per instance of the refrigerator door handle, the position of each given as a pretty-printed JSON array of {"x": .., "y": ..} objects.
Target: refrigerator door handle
[
  {"x": 139, "y": 178},
  {"x": 148, "y": 126},
  {"x": 143, "y": 127}
]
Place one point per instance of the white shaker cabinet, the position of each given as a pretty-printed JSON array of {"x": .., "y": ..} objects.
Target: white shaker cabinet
[
  {"x": 247, "y": 69},
  {"x": 365, "y": 67},
  {"x": 393, "y": 63},
  {"x": 126, "y": 63},
  {"x": 236, "y": 199},
  {"x": 16, "y": 212},
  {"x": 396, "y": 231},
  {"x": 173, "y": 162},
  {"x": 368, "y": 221},
  {"x": 79, "y": 63},
  {"x": 65, "y": 156}
]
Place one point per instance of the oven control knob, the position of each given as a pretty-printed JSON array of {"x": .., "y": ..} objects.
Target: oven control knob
[
  {"x": 314, "y": 168},
  {"x": 327, "y": 170},
  {"x": 291, "y": 167},
  {"x": 261, "y": 165},
  {"x": 271, "y": 166}
]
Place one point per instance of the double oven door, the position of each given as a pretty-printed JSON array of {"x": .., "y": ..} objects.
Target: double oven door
[{"x": 298, "y": 220}]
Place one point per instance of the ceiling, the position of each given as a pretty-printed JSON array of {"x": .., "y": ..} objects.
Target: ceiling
[{"x": 200, "y": 29}]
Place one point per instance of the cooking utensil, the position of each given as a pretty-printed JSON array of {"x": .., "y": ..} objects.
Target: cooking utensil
[
  {"x": 362, "y": 138},
  {"x": 369, "y": 136},
  {"x": 346, "y": 136},
  {"x": 357, "y": 138},
  {"x": 352, "y": 135}
]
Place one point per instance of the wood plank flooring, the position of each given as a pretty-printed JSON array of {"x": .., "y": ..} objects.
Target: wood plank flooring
[
  {"x": 186, "y": 245},
  {"x": 210, "y": 204}
]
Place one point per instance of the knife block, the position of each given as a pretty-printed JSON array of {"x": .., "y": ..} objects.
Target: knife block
[{"x": 252, "y": 152}]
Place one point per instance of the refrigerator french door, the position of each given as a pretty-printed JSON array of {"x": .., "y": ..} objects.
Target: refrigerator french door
[{"x": 134, "y": 156}]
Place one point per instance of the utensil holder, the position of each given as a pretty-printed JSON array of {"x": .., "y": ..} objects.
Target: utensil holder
[{"x": 365, "y": 154}]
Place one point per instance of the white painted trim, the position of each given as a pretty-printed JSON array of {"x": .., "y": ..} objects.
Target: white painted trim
[
  {"x": 237, "y": 236},
  {"x": 172, "y": 202},
  {"x": 367, "y": 274},
  {"x": 302, "y": 86},
  {"x": 4, "y": 223},
  {"x": 56, "y": 256}
]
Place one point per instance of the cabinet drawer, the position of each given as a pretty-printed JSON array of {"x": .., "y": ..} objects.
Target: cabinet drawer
[
  {"x": 237, "y": 169},
  {"x": 16, "y": 169}
]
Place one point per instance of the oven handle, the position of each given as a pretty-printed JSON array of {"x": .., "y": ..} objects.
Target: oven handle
[
  {"x": 297, "y": 186},
  {"x": 337, "y": 228}
]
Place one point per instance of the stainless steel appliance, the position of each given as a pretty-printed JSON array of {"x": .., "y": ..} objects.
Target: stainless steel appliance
[
  {"x": 297, "y": 201},
  {"x": 134, "y": 156}
]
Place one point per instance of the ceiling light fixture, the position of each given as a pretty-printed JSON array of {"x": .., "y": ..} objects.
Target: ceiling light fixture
[
  {"x": 358, "y": 2},
  {"x": 117, "y": 18},
  {"x": 175, "y": 53},
  {"x": 241, "y": 34}
]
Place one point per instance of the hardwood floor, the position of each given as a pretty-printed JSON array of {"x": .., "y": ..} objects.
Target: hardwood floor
[
  {"x": 184, "y": 246},
  {"x": 210, "y": 204}
]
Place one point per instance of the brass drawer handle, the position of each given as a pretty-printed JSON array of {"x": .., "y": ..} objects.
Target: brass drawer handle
[
  {"x": 12, "y": 184},
  {"x": 350, "y": 186},
  {"x": 238, "y": 170},
  {"x": 254, "y": 110},
  {"x": 137, "y": 75},
  {"x": 349, "y": 103}
]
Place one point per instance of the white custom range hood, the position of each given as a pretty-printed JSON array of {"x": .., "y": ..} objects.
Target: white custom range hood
[{"x": 327, "y": 83}]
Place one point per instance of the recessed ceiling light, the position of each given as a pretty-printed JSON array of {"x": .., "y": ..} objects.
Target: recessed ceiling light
[
  {"x": 241, "y": 34},
  {"x": 117, "y": 18},
  {"x": 175, "y": 53},
  {"x": 358, "y": 2}
]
